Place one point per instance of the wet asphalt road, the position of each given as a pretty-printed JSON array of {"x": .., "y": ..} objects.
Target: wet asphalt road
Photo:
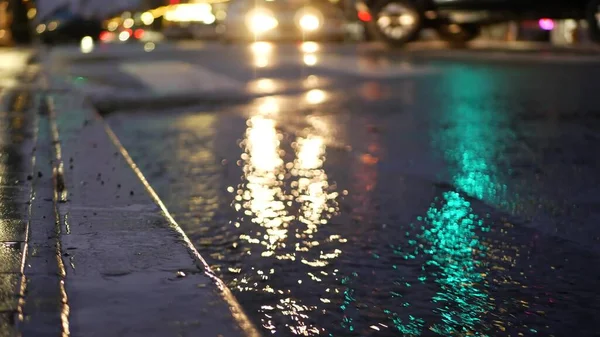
[{"x": 418, "y": 196}]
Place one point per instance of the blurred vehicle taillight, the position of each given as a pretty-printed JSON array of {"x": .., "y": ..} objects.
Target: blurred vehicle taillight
[
  {"x": 364, "y": 16},
  {"x": 105, "y": 36},
  {"x": 138, "y": 33}
]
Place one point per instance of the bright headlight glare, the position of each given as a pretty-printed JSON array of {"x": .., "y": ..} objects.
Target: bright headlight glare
[
  {"x": 189, "y": 12},
  {"x": 309, "y": 22},
  {"x": 261, "y": 21}
]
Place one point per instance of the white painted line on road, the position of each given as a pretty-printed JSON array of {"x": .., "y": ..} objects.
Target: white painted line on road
[
  {"x": 169, "y": 77},
  {"x": 363, "y": 66}
]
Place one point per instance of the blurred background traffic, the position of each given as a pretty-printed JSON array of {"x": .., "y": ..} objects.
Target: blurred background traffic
[{"x": 394, "y": 22}]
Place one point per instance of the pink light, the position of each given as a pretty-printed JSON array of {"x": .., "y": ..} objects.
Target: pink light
[{"x": 546, "y": 24}]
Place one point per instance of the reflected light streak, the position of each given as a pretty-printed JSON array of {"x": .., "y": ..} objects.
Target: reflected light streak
[
  {"x": 312, "y": 183},
  {"x": 284, "y": 200},
  {"x": 310, "y": 59},
  {"x": 266, "y": 85},
  {"x": 310, "y": 81},
  {"x": 262, "y": 53},
  {"x": 261, "y": 48},
  {"x": 263, "y": 145},
  {"x": 270, "y": 106},
  {"x": 452, "y": 230},
  {"x": 310, "y": 153},
  {"x": 309, "y": 47},
  {"x": 317, "y": 205},
  {"x": 316, "y": 96},
  {"x": 263, "y": 196},
  {"x": 452, "y": 234},
  {"x": 261, "y": 61}
]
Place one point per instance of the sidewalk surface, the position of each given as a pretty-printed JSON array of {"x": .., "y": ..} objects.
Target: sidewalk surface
[
  {"x": 88, "y": 249},
  {"x": 16, "y": 140}
]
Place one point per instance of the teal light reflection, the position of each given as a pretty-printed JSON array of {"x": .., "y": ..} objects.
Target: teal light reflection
[
  {"x": 453, "y": 250},
  {"x": 469, "y": 140}
]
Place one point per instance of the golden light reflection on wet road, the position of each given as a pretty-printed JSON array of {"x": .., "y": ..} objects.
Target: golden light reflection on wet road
[
  {"x": 309, "y": 50},
  {"x": 287, "y": 200},
  {"x": 264, "y": 86},
  {"x": 311, "y": 193},
  {"x": 316, "y": 96},
  {"x": 262, "y": 53},
  {"x": 263, "y": 197}
]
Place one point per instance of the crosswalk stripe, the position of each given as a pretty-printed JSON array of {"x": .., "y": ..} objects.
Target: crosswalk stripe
[
  {"x": 168, "y": 77},
  {"x": 379, "y": 68}
]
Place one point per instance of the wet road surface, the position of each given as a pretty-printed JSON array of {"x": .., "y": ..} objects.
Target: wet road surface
[{"x": 450, "y": 198}]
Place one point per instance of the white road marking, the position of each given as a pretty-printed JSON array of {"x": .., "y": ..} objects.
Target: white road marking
[
  {"x": 368, "y": 67},
  {"x": 168, "y": 77}
]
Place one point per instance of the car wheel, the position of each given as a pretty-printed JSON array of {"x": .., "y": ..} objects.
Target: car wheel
[
  {"x": 593, "y": 20},
  {"x": 395, "y": 21},
  {"x": 458, "y": 34}
]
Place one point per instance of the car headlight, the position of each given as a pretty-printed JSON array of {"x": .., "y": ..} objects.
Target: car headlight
[
  {"x": 309, "y": 19},
  {"x": 260, "y": 21},
  {"x": 309, "y": 22}
]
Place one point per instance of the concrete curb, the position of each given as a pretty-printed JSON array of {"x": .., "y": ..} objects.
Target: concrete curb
[{"x": 129, "y": 268}]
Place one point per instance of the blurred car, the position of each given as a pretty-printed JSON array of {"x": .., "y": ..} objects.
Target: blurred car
[
  {"x": 281, "y": 19},
  {"x": 127, "y": 28},
  {"x": 123, "y": 35},
  {"x": 458, "y": 21},
  {"x": 187, "y": 20},
  {"x": 64, "y": 26}
]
